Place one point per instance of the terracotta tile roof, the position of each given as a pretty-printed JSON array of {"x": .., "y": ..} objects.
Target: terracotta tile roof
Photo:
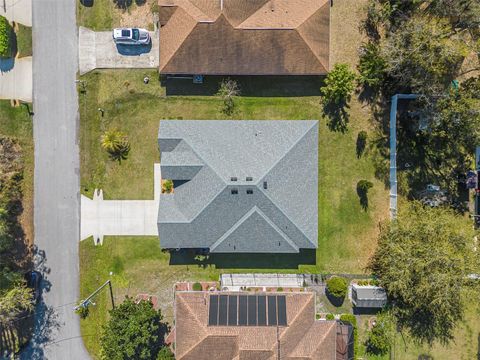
[
  {"x": 303, "y": 337},
  {"x": 244, "y": 37}
]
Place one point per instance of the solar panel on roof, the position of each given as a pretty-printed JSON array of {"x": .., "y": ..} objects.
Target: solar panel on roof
[
  {"x": 242, "y": 310},
  {"x": 222, "y": 310},
  {"x": 213, "y": 311},
  {"x": 282, "y": 310},
  {"x": 232, "y": 310},
  {"x": 252, "y": 310},
  {"x": 262, "y": 310},
  {"x": 272, "y": 310}
]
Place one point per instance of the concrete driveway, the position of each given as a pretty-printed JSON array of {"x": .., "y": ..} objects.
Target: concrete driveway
[
  {"x": 17, "y": 10},
  {"x": 101, "y": 217},
  {"x": 16, "y": 79},
  {"x": 97, "y": 50}
]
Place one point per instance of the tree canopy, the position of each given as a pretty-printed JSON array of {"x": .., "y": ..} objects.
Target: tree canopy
[
  {"x": 422, "y": 260},
  {"x": 134, "y": 331}
]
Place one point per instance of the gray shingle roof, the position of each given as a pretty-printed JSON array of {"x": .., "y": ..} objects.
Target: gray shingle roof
[
  {"x": 369, "y": 296},
  {"x": 224, "y": 205}
]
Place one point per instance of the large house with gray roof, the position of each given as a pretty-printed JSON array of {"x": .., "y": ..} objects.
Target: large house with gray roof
[{"x": 243, "y": 186}]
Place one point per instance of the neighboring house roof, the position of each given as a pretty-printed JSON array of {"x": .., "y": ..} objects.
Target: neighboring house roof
[
  {"x": 271, "y": 165},
  {"x": 303, "y": 337},
  {"x": 369, "y": 296},
  {"x": 244, "y": 37}
]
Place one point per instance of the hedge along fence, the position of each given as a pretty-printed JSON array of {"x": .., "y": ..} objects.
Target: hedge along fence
[
  {"x": 352, "y": 320},
  {"x": 6, "y": 38}
]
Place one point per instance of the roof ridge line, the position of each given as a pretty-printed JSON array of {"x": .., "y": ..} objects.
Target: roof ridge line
[
  {"x": 287, "y": 328},
  {"x": 315, "y": 123},
  {"x": 306, "y": 42},
  {"x": 199, "y": 323},
  {"x": 247, "y": 215},
  {"x": 320, "y": 341}
]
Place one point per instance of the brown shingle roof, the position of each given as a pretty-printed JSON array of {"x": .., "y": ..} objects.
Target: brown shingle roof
[
  {"x": 303, "y": 337},
  {"x": 244, "y": 37}
]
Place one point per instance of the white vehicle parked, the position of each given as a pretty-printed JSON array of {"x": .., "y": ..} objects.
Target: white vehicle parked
[{"x": 131, "y": 36}]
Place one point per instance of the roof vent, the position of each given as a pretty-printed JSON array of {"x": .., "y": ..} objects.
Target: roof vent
[
  {"x": 249, "y": 191},
  {"x": 249, "y": 178},
  {"x": 234, "y": 191},
  {"x": 233, "y": 178},
  {"x": 265, "y": 186}
]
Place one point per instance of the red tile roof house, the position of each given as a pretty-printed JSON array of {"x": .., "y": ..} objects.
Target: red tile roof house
[
  {"x": 260, "y": 326},
  {"x": 244, "y": 37}
]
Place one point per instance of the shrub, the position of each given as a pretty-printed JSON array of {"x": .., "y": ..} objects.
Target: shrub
[
  {"x": 337, "y": 286},
  {"x": 361, "y": 143},
  {"x": 6, "y": 34},
  {"x": 339, "y": 85},
  {"x": 280, "y": 289},
  {"x": 352, "y": 320},
  {"x": 330, "y": 317},
  {"x": 168, "y": 186},
  {"x": 381, "y": 336},
  {"x": 165, "y": 354},
  {"x": 197, "y": 287},
  {"x": 362, "y": 191}
]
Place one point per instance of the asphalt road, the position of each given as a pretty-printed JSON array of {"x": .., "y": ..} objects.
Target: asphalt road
[{"x": 57, "y": 197}]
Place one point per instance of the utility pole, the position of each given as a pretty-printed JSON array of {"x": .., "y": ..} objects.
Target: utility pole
[{"x": 85, "y": 303}]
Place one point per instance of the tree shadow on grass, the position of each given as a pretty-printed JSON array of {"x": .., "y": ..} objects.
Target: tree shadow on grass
[
  {"x": 337, "y": 116},
  {"x": 122, "y": 4},
  {"x": 87, "y": 3},
  {"x": 244, "y": 260},
  {"x": 335, "y": 301}
]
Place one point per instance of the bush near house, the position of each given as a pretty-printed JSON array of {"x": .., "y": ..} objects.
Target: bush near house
[
  {"x": 197, "y": 287},
  {"x": 337, "y": 287},
  {"x": 6, "y": 33}
]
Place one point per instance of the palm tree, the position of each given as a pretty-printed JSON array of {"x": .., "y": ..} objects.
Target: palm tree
[{"x": 116, "y": 144}]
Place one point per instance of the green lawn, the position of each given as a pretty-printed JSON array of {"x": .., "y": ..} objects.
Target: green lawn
[
  {"x": 24, "y": 40},
  {"x": 97, "y": 14}
]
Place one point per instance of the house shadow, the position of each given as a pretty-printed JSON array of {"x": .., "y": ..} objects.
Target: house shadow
[
  {"x": 365, "y": 311},
  {"x": 130, "y": 50},
  {"x": 244, "y": 260},
  {"x": 254, "y": 86}
]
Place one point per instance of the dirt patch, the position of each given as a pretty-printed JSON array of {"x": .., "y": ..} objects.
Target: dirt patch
[{"x": 138, "y": 16}]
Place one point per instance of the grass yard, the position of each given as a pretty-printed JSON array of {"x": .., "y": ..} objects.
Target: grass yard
[
  {"x": 24, "y": 40},
  {"x": 15, "y": 122}
]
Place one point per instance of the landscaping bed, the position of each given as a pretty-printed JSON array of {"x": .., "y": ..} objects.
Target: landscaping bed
[{"x": 24, "y": 40}]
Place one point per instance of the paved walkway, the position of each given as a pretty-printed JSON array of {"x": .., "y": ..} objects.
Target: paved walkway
[
  {"x": 98, "y": 51},
  {"x": 16, "y": 79},
  {"x": 101, "y": 217},
  {"x": 17, "y": 10}
]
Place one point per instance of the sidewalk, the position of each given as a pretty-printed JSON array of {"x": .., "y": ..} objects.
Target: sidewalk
[{"x": 17, "y": 10}]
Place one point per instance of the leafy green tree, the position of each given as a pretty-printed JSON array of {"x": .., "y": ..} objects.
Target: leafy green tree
[
  {"x": 337, "y": 286},
  {"x": 382, "y": 334},
  {"x": 339, "y": 85},
  {"x": 6, "y": 35},
  {"x": 134, "y": 331},
  {"x": 228, "y": 91},
  {"x": 165, "y": 354},
  {"x": 371, "y": 66},
  {"x": 14, "y": 302},
  {"x": 422, "y": 260},
  {"x": 116, "y": 144}
]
